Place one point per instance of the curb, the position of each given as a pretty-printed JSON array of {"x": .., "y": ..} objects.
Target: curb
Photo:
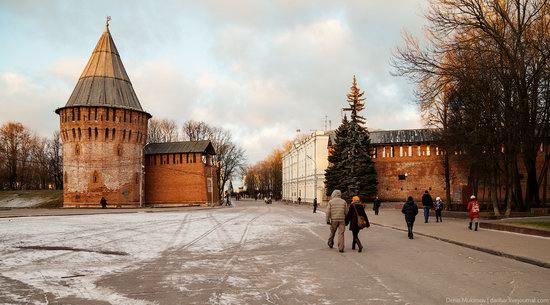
[
  {"x": 482, "y": 249},
  {"x": 514, "y": 229}
]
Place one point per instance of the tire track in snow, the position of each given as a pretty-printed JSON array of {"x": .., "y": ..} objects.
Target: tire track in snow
[{"x": 228, "y": 267}]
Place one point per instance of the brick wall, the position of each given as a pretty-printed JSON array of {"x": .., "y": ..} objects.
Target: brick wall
[
  {"x": 411, "y": 171},
  {"x": 101, "y": 155},
  {"x": 175, "y": 180}
]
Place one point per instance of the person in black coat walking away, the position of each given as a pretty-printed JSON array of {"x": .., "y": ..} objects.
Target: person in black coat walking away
[
  {"x": 427, "y": 202},
  {"x": 376, "y": 205},
  {"x": 103, "y": 202},
  {"x": 299, "y": 200},
  {"x": 356, "y": 209},
  {"x": 410, "y": 209},
  {"x": 314, "y": 205}
]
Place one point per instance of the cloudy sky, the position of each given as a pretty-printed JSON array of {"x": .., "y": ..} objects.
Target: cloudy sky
[{"x": 261, "y": 69}]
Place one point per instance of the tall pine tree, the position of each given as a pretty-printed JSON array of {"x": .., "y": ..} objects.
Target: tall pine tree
[
  {"x": 335, "y": 173},
  {"x": 351, "y": 168}
]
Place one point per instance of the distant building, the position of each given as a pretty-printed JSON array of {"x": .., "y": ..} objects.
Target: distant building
[
  {"x": 104, "y": 130},
  {"x": 304, "y": 168}
]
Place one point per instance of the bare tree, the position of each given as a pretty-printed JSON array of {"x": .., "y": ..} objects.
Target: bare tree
[
  {"x": 266, "y": 176},
  {"x": 230, "y": 157},
  {"x": 500, "y": 51},
  {"x": 162, "y": 131},
  {"x": 55, "y": 160},
  {"x": 196, "y": 130},
  {"x": 15, "y": 145}
]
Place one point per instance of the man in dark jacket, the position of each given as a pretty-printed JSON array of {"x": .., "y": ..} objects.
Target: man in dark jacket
[
  {"x": 376, "y": 205},
  {"x": 428, "y": 203},
  {"x": 314, "y": 205},
  {"x": 103, "y": 202},
  {"x": 410, "y": 209}
]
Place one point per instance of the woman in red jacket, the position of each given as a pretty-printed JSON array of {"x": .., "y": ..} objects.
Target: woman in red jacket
[{"x": 473, "y": 212}]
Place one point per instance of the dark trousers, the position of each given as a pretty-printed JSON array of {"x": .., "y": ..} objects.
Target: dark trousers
[
  {"x": 356, "y": 239},
  {"x": 376, "y": 211},
  {"x": 438, "y": 216},
  {"x": 410, "y": 224},
  {"x": 314, "y": 208},
  {"x": 426, "y": 213}
]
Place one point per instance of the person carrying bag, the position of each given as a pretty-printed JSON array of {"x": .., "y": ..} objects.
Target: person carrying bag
[{"x": 357, "y": 220}]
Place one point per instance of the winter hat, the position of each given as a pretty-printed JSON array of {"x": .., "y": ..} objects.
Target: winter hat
[
  {"x": 472, "y": 197},
  {"x": 438, "y": 198},
  {"x": 355, "y": 198}
]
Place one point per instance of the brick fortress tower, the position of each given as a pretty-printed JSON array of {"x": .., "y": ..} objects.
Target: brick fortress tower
[{"x": 103, "y": 129}]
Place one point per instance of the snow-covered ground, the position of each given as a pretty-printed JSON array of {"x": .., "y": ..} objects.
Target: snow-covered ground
[
  {"x": 20, "y": 202},
  {"x": 251, "y": 254},
  {"x": 65, "y": 256},
  {"x": 27, "y": 199}
]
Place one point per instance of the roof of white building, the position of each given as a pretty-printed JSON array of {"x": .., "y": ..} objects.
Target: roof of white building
[{"x": 402, "y": 136}]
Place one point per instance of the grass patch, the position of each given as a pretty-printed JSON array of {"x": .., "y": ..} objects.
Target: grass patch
[
  {"x": 55, "y": 203},
  {"x": 541, "y": 225}
]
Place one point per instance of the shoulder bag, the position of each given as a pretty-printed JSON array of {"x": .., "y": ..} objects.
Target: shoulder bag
[{"x": 361, "y": 222}]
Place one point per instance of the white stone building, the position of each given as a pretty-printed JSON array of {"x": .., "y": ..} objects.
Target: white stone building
[{"x": 304, "y": 169}]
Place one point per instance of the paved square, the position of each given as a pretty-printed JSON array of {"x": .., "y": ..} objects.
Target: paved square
[{"x": 251, "y": 254}]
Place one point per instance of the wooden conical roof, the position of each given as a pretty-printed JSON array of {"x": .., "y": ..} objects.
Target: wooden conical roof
[{"x": 104, "y": 81}]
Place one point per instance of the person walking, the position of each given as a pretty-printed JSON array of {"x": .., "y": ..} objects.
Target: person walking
[
  {"x": 355, "y": 211},
  {"x": 438, "y": 206},
  {"x": 314, "y": 205},
  {"x": 473, "y": 212},
  {"x": 336, "y": 218},
  {"x": 299, "y": 200},
  {"x": 410, "y": 209},
  {"x": 376, "y": 205},
  {"x": 228, "y": 199},
  {"x": 103, "y": 202},
  {"x": 427, "y": 203}
]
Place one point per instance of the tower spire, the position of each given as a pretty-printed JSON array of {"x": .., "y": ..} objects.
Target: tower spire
[
  {"x": 107, "y": 23},
  {"x": 104, "y": 81}
]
